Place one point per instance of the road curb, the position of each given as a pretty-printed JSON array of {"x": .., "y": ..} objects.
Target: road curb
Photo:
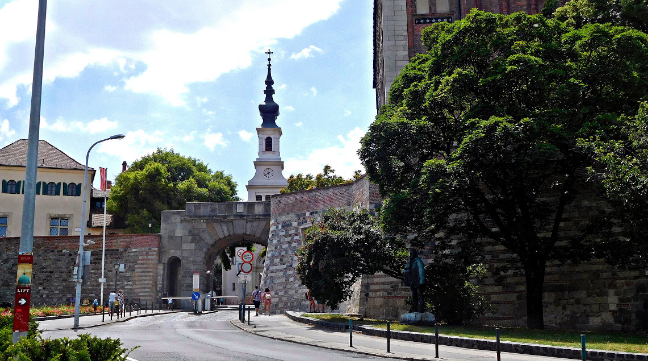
[
  {"x": 123, "y": 319},
  {"x": 480, "y": 344}
]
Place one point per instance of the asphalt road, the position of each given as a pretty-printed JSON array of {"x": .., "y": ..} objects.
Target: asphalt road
[{"x": 185, "y": 336}]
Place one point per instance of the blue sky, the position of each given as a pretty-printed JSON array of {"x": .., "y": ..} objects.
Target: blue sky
[{"x": 189, "y": 76}]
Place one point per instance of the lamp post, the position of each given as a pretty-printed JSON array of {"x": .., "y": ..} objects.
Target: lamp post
[{"x": 77, "y": 299}]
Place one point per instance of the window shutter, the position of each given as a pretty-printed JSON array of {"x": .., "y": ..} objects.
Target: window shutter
[
  {"x": 58, "y": 189},
  {"x": 4, "y": 186},
  {"x": 65, "y": 192},
  {"x": 18, "y": 185},
  {"x": 44, "y": 188},
  {"x": 38, "y": 187},
  {"x": 79, "y": 189}
]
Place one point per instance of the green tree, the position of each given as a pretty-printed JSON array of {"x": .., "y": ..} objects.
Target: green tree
[
  {"x": 342, "y": 247},
  {"x": 327, "y": 178},
  {"x": 479, "y": 139},
  {"x": 633, "y": 13},
  {"x": 165, "y": 180}
]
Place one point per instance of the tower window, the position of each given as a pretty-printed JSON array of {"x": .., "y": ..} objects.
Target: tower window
[
  {"x": 11, "y": 187},
  {"x": 268, "y": 144},
  {"x": 51, "y": 189},
  {"x": 259, "y": 198}
]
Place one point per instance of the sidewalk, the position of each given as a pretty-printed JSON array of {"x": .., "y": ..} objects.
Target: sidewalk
[
  {"x": 88, "y": 321},
  {"x": 280, "y": 327}
]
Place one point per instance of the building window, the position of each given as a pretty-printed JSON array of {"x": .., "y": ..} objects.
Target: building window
[
  {"x": 422, "y": 6},
  {"x": 268, "y": 197},
  {"x": 59, "y": 226},
  {"x": 72, "y": 190},
  {"x": 3, "y": 226},
  {"x": 268, "y": 144},
  {"x": 259, "y": 198},
  {"x": 51, "y": 189},
  {"x": 442, "y": 6},
  {"x": 233, "y": 286},
  {"x": 11, "y": 187}
]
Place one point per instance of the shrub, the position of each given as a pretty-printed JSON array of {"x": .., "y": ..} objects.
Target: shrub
[{"x": 83, "y": 348}]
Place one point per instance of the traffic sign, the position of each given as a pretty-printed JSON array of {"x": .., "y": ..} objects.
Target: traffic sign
[
  {"x": 239, "y": 251},
  {"x": 195, "y": 296},
  {"x": 246, "y": 267},
  {"x": 244, "y": 277},
  {"x": 247, "y": 256}
]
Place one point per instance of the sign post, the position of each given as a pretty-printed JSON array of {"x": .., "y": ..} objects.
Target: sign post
[{"x": 23, "y": 294}]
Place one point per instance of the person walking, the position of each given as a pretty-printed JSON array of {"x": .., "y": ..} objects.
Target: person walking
[
  {"x": 311, "y": 302},
  {"x": 266, "y": 297},
  {"x": 120, "y": 305},
  {"x": 256, "y": 299},
  {"x": 111, "y": 302}
]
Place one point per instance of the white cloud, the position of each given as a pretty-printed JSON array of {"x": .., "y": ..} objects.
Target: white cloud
[
  {"x": 214, "y": 139},
  {"x": 92, "y": 127},
  {"x": 299, "y": 124},
  {"x": 343, "y": 157},
  {"x": 289, "y": 108},
  {"x": 314, "y": 90},
  {"x": 135, "y": 145},
  {"x": 110, "y": 88},
  {"x": 346, "y": 113},
  {"x": 168, "y": 41},
  {"x": 5, "y": 130},
  {"x": 190, "y": 137},
  {"x": 246, "y": 136},
  {"x": 208, "y": 112},
  {"x": 306, "y": 52},
  {"x": 282, "y": 87}
]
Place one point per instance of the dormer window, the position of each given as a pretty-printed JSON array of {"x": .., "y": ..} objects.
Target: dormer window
[
  {"x": 268, "y": 144},
  {"x": 11, "y": 187}
]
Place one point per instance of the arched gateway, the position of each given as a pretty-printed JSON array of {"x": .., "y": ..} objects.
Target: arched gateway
[{"x": 192, "y": 239}]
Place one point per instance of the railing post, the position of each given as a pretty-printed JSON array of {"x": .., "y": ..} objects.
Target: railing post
[
  {"x": 436, "y": 340},
  {"x": 497, "y": 343},
  {"x": 583, "y": 349},
  {"x": 388, "y": 336},
  {"x": 248, "y": 315},
  {"x": 103, "y": 313},
  {"x": 350, "y": 332}
]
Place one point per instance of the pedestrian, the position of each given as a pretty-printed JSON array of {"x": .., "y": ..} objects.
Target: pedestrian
[
  {"x": 120, "y": 302},
  {"x": 95, "y": 303},
  {"x": 266, "y": 297},
  {"x": 256, "y": 299},
  {"x": 111, "y": 301},
  {"x": 311, "y": 302},
  {"x": 170, "y": 303}
]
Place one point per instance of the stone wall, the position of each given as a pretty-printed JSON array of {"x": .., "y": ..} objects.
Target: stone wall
[
  {"x": 54, "y": 259},
  {"x": 291, "y": 214}
]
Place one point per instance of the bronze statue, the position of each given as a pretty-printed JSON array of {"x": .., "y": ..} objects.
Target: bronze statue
[{"x": 414, "y": 275}]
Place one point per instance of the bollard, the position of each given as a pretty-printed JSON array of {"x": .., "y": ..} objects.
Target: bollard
[
  {"x": 145, "y": 306},
  {"x": 436, "y": 340},
  {"x": 111, "y": 311},
  {"x": 497, "y": 343},
  {"x": 350, "y": 333},
  {"x": 583, "y": 349},
  {"x": 103, "y": 313},
  {"x": 131, "y": 309},
  {"x": 248, "y": 316},
  {"x": 388, "y": 335}
]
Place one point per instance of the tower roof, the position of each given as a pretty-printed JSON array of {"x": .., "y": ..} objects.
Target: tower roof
[{"x": 269, "y": 110}]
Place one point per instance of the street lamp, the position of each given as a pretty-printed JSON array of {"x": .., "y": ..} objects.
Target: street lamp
[
  {"x": 116, "y": 270},
  {"x": 77, "y": 299}
]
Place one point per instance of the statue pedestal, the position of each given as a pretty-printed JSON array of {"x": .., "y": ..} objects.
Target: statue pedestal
[{"x": 418, "y": 318}]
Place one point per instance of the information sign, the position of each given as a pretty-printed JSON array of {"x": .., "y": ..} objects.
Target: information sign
[
  {"x": 195, "y": 296},
  {"x": 196, "y": 281},
  {"x": 21, "y": 316},
  {"x": 244, "y": 277},
  {"x": 239, "y": 251}
]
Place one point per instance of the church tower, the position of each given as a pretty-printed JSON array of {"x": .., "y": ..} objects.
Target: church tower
[{"x": 268, "y": 178}]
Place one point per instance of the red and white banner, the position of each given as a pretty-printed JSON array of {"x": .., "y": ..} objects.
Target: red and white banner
[{"x": 103, "y": 178}]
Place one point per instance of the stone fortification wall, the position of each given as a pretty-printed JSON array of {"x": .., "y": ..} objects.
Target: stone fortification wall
[
  {"x": 54, "y": 259},
  {"x": 291, "y": 214}
]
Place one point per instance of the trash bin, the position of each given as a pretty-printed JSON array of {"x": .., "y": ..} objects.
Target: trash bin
[{"x": 207, "y": 302}]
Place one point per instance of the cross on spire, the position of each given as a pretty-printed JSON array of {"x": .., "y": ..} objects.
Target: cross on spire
[{"x": 269, "y": 54}]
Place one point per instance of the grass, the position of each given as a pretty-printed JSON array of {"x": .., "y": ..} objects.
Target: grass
[{"x": 609, "y": 341}]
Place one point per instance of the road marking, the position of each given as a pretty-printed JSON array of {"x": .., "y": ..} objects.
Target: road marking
[{"x": 130, "y": 359}]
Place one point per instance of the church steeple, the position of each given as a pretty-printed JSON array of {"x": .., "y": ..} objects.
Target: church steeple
[{"x": 269, "y": 110}]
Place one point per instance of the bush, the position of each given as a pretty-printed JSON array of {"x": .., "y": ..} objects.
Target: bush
[{"x": 83, "y": 348}]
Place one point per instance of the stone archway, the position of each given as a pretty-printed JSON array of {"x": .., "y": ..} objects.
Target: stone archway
[{"x": 196, "y": 235}]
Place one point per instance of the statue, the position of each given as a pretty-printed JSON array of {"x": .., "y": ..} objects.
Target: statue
[{"x": 414, "y": 274}]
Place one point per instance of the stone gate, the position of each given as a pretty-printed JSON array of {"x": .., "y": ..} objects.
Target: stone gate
[{"x": 192, "y": 239}]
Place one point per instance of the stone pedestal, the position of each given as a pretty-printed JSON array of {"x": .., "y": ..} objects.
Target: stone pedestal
[{"x": 418, "y": 318}]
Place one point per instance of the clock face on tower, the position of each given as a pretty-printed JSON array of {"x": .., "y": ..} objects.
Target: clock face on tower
[{"x": 268, "y": 173}]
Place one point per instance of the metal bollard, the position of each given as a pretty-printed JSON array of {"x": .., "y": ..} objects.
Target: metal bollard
[
  {"x": 350, "y": 332},
  {"x": 248, "y": 316},
  {"x": 583, "y": 349},
  {"x": 436, "y": 340},
  {"x": 131, "y": 309},
  {"x": 103, "y": 313},
  {"x": 497, "y": 343},
  {"x": 388, "y": 335}
]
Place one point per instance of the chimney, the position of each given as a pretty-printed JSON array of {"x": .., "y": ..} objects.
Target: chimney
[
  {"x": 124, "y": 166},
  {"x": 108, "y": 184}
]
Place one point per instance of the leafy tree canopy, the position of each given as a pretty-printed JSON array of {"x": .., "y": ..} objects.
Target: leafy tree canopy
[
  {"x": 327, "y": 178},
  {"x": 480, "y": 137},
  {"x": 633, "y": 13},
  {"x": 165, "y": 180}
]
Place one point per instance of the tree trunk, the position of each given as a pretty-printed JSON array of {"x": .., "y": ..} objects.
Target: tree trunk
[{"x": 535, "y": 272}]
